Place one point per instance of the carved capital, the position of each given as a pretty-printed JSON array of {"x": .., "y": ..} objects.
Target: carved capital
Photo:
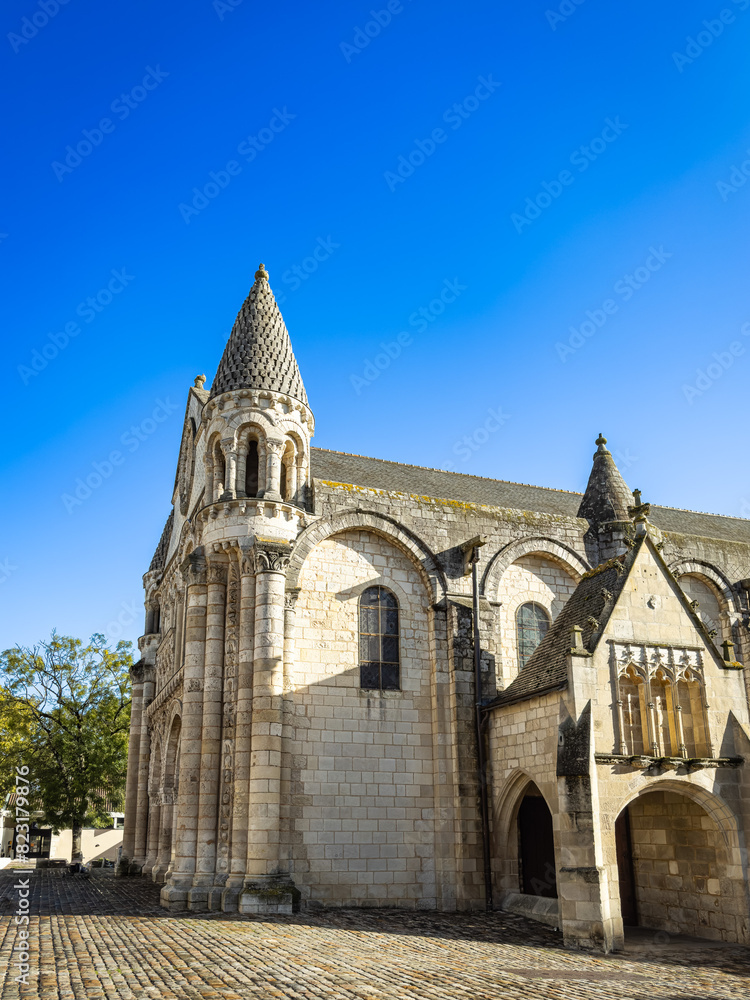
[
  {"x": 275, "y": 446},
  {"x": 217, "y": 573},
  {"x": 290, "y": 598},
  {"x": 271, "y": 557},
  {"x": 194, "y": 568}
]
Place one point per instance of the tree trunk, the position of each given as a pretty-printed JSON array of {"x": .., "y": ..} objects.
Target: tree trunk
[{"x": 77, "y": 853}]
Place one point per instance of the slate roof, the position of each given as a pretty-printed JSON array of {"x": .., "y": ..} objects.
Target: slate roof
[
  {"x": 259, "y": 352},
  {"x": 377, "y": 473},
  {"x": 607, "y": 496},
  {"x": 589, "y": 606},
  {"x": 160, "y": 556}
]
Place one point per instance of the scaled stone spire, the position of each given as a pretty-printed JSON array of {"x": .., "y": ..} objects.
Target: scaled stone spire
[
  {"x": 607, "y": 498},
  {"x": 259, "y": 352}
]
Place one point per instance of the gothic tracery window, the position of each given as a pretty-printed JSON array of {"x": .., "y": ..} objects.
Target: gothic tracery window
[
  {"x": 379, "y": 667},
  {"x": 532, "y": 622}
]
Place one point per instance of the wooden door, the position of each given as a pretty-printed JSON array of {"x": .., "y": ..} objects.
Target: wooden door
[{"x": 625, "y": 870}]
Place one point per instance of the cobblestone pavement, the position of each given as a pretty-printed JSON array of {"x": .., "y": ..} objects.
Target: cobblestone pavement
[{"x": 108, "y": 938}]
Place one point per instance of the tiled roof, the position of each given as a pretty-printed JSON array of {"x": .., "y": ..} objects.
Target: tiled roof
[
  {"x": 259, "y": 352},
  {"x": 376, "y": 473},
  {"x": 589, "y": 606},
  {"x": 160, "y": 556}
]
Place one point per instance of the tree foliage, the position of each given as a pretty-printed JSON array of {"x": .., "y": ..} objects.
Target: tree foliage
[{"x": 66, "y": 714}]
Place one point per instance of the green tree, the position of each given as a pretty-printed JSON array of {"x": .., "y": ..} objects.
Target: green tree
[{"x": 68, "y": 708}]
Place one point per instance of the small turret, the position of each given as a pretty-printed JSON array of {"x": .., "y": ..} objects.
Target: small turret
[{"x": 605, "y": 505}]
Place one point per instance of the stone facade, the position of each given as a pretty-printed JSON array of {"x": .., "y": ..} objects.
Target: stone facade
[{"x": 314, "y": 724}]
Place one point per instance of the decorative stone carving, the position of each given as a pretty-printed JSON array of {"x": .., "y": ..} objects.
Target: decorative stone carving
[{"x": 271, "y": 557}]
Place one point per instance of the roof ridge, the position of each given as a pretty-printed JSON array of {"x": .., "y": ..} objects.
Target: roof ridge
[
  {"x": 704, "y": 513},
  {"x": 449, "y": 472}
]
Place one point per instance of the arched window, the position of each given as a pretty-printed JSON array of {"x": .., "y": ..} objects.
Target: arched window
[
  {"x": 378, "y": 640},
  {"x": 251, "y": 469},
  {"x": 532, "y": 622}
]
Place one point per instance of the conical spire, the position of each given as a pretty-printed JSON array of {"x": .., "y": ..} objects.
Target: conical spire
[
  {"x": 259, "y": 352},
  {"x": 607, "y": 498}
]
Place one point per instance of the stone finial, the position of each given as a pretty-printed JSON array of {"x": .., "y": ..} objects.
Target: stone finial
[
  {"x": 199, "y": 381},
  {"x": 261, "y": 274},
  {"x": 601, "y": 442},
  {"x": 639, "y": 511}
]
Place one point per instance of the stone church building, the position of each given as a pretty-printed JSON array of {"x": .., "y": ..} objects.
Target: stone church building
[{"x": 365, "y": 683}]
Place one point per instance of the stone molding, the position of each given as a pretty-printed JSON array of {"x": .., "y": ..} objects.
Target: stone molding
[
  {"x": 696, "y": 567},
  {"x": 388, "y": 527},
  {"x": 571, "y": 561}
]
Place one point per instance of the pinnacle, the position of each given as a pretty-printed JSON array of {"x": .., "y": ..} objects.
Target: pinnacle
[
  {"x": 259, "y": 352},
  {"x": 607, "y": 497}
]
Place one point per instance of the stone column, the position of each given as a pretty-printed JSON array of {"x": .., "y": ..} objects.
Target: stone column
[
  {"x": 230, "y": 465},
  {"x": 154, "y": 831},
  {"x": 243, "y": 732},
  {"x": 131, "y": 787},
  {"x": 174, "y": 895},
  {"x": 268, "y": 885},
  {"x": 274, "y": 451},
  {"x": 210, "y": 754},
  {"x": 164, "y": 849},
  {"x": 144, "y": 761}
]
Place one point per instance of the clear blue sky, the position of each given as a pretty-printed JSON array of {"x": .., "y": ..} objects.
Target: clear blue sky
[{"x": 318, "y": 124}]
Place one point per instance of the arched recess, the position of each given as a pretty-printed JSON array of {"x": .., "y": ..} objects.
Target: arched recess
[
  {"x": 172, "y": 749},
  {"x": 663, "y": 830},
  {"x": 506, "y": 809},
  {"x": 696, "y": 567},
  {"x": 570, "y": 560},
  {"x": 389, "y": 528}
]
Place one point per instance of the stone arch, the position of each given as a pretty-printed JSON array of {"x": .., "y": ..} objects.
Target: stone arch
[
  {"x": 716, "y": 808},
  {"x": 713, "y": 576},
  {"x": 380, "y": 524},
  {"x": 571, "y": 561},
  {"x": 662, "y": 830},
  {"x": 172, "y": 747},
  {"x": 505, "y": 811}
]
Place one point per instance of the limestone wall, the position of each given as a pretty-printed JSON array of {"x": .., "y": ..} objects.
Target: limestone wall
[{"x": 362, "y": 770}]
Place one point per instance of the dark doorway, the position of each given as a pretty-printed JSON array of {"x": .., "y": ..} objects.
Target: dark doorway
[
  {"x": 625, "y": 871},
  {"x": 536, "y": 847}
]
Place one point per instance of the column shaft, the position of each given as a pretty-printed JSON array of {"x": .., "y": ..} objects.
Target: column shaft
[
  {"x": 134, "y": 746},
  {"x": 210, "y": 759},
  {"x": 174, "y": 894},
  {"x": 144, "y": 760}
]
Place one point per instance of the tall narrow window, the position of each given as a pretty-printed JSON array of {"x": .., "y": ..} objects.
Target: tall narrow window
[
  {"x": 284, "y": 482},
  {"x": 378, "y": 640},
  {"x": 532, "y": 622},
  {"x": 251, "y": 470}
]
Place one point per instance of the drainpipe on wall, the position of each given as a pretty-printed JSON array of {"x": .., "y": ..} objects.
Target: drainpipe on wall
[{"x": 471, "y": 555}]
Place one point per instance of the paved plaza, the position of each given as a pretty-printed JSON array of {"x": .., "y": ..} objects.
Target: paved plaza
[{"x": 103, "y": 937}]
